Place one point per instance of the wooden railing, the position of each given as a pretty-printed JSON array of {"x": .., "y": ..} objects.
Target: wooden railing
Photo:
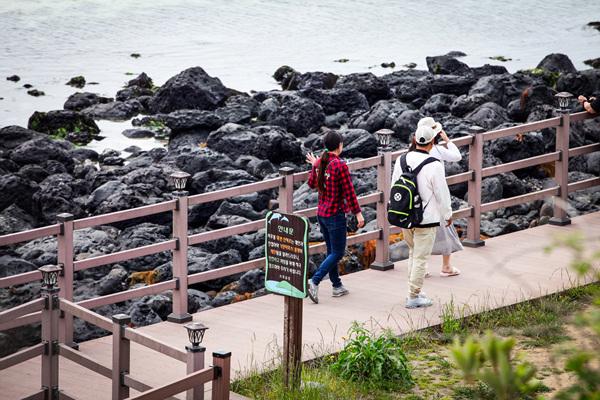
[
  {"x": 51, "y": 305},
  {"x": 179, "y": 207}
]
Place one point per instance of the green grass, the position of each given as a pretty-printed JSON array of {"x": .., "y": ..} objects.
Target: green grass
[{"x": 540, "y": 322}]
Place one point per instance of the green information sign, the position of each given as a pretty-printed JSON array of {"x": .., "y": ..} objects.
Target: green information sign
[{"x": 286, "y": 254}]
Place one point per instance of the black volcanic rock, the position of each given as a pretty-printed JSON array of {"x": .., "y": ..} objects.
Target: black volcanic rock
[
  {"x": 557, "y": 62},
  {"x": 296, "y": 114},
  {"x": 61, "y": 122},
  {"x": 336, "y": 100},
  {"x": 373, "y": 87},
  {"x": 446, "y": 65},
  {"x": 190, "y": 89},
  {"x": 80, "y": 100}
]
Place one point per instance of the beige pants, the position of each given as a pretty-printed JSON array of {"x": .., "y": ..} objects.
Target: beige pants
[{"x": 420, "y": 243}]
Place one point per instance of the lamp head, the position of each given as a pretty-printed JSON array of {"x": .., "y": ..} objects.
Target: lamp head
[
  {"x": 49, "y": 275},
  {"x": 195, "y": 331},
  {"x": 180, "y": 179}
]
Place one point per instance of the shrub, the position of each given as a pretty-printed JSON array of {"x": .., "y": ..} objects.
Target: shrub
[{"x": 378, "y": 361}]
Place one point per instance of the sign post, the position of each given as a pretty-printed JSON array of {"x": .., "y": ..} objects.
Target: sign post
[{"x": 286, "y": 255}]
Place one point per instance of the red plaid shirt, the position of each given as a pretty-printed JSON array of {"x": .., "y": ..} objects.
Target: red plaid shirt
[{"x": 339, "y": 192}]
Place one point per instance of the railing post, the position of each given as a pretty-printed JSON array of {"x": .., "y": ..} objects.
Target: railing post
[
  {"x": 180, "y": 262},
  {"x": 50, "y": 316},
  {"x": 382, "y": 251},
  {"x": 65, "y": 279},
  {"x": 474, "y": 192},
  {"x": 220, "y": 384},
  {"x": 561, "y": 172},
  {"x": 292, "y": 322},
  {"x": 195, "y": 362},
  {"x": 120, "y": 356}
]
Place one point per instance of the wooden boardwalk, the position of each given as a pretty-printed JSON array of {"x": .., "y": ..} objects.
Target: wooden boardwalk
[{"x": 509, "y": 269}]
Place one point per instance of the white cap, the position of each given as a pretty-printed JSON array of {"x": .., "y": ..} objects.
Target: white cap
[
  {"x": 432, "y": 123},
  {"x": 424, "y": 135}
]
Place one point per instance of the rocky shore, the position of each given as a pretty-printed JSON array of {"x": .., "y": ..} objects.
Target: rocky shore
[{"x": 225, "y": 138}]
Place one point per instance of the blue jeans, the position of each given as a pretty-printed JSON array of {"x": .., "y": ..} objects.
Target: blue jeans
[{"x": 334, "y": 233}]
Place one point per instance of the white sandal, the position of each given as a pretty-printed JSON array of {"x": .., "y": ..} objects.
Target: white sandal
[{"x": 454, "y": 272}]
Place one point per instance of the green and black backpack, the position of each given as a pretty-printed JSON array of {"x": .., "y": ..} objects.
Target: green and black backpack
[{"x": 405, "y": 208}]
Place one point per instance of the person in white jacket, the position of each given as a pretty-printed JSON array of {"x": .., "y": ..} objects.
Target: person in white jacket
[
  {"x": 446, "y": 239},
  {"x": 435, "y": 197}
]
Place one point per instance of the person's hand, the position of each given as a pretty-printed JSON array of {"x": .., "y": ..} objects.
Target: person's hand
[
  {"x": 449, "y": 222},
  {"x": 311, "y": 159},
  {"x": 581, "y": 99},
  {"x": 444, "y": 136},
  {"x": 360, "y": 219}
]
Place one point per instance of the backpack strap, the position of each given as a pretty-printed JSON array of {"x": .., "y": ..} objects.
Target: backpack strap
[
  {"x": 403, "y": 164},
  {"x": 428, "y": 160}
]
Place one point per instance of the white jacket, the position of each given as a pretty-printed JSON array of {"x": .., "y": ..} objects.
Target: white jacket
[
  {"x": 443, "y": 153},
  {"x": 432, "y": 187}
]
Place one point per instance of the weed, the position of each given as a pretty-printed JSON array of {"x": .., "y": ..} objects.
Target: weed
[{"x": 377, "y": 360}]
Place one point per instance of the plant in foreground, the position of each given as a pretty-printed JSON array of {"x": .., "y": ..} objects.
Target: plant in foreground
[
  {"x": 489, "y": 360},
  {"x": 378, "y": 361}
]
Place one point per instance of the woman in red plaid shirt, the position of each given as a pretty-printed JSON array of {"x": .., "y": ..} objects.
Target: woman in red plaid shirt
[{"x": 331, "y": 176}]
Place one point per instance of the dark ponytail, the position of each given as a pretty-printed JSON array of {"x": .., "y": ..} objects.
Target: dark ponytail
[
  {"x": 331, "y": 140},
  {"x": 413, "y": 144}
]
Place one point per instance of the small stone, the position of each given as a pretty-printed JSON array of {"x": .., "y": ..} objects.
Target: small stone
[
  {"x": 544, "y": 220},
  {"x": 135, "y": 55},
  {"x": 27, "y": 86},
  {"x": 13, "y": 78},
  {"x": 411, "y": 65},
  {"x": 388, "y": 65},
  {"x": 341, "y": 60},
  {"x": 77, "y": 81},
  {"x": 35, "y": 93}
]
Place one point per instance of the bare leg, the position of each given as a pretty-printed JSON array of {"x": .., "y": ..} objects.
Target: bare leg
[{"x": 446, "y": 267}]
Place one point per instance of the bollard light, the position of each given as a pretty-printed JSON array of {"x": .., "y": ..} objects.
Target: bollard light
[
  {"x": 564, "y": 101},
  {"x": 180, "y": 179},
  {"x": 49, "y": 275},
  {"x": 384, "y": 136},
  {"x": 195, "y": 331}
]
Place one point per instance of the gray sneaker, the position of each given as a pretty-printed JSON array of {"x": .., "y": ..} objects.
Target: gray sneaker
[
  {"x": 339, "y": 291},
  {"x": 313, "y": 291},
  {"x": 419, "y": 301}
]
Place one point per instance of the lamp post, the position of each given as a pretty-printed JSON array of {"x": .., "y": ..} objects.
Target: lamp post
[
  {"x": 384, "y": 136},
  {"x": 195, "y": 356},
  {"x": 49, "y": 335},
  {"x": 180, "y": 253},
  {"x": 384, "y": 176},
  {"x": 564, "y": 102}
]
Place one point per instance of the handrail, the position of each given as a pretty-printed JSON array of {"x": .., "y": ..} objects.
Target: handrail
[
  {"x": 21, "y": 356},
  {"x": 583, "y": 184},
  {"x": 86, "y": 315},
  {"x": 28, "y": 319},
  {"x": 226, "y": 232},
  {"x": 113, "y": 298},
  {"x": 124, "y": 215},
  {"x": 23, "y": 309},
  {"x": 178, "y": 386},
  {"x": 525, "y": 163},
  {"x": 26, "y": 236},
  {"x": 578, "y": 151},
  {"x": 124, "y": 255},
  {"x": 235, "y": 191},
  {"x": 87, "y": 362},
  {"x": 523, "y": 128},
  {"x": 20, "y": 279},
  {"x": 524, "y": 198},
  {"x": 155, "y": 344}
]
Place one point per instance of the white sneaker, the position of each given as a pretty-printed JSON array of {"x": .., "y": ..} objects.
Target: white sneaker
[
  {"x": 419, "y": 301},
  {"x": 313, "y": 291},
  {"x": 340, "y": 291}
]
